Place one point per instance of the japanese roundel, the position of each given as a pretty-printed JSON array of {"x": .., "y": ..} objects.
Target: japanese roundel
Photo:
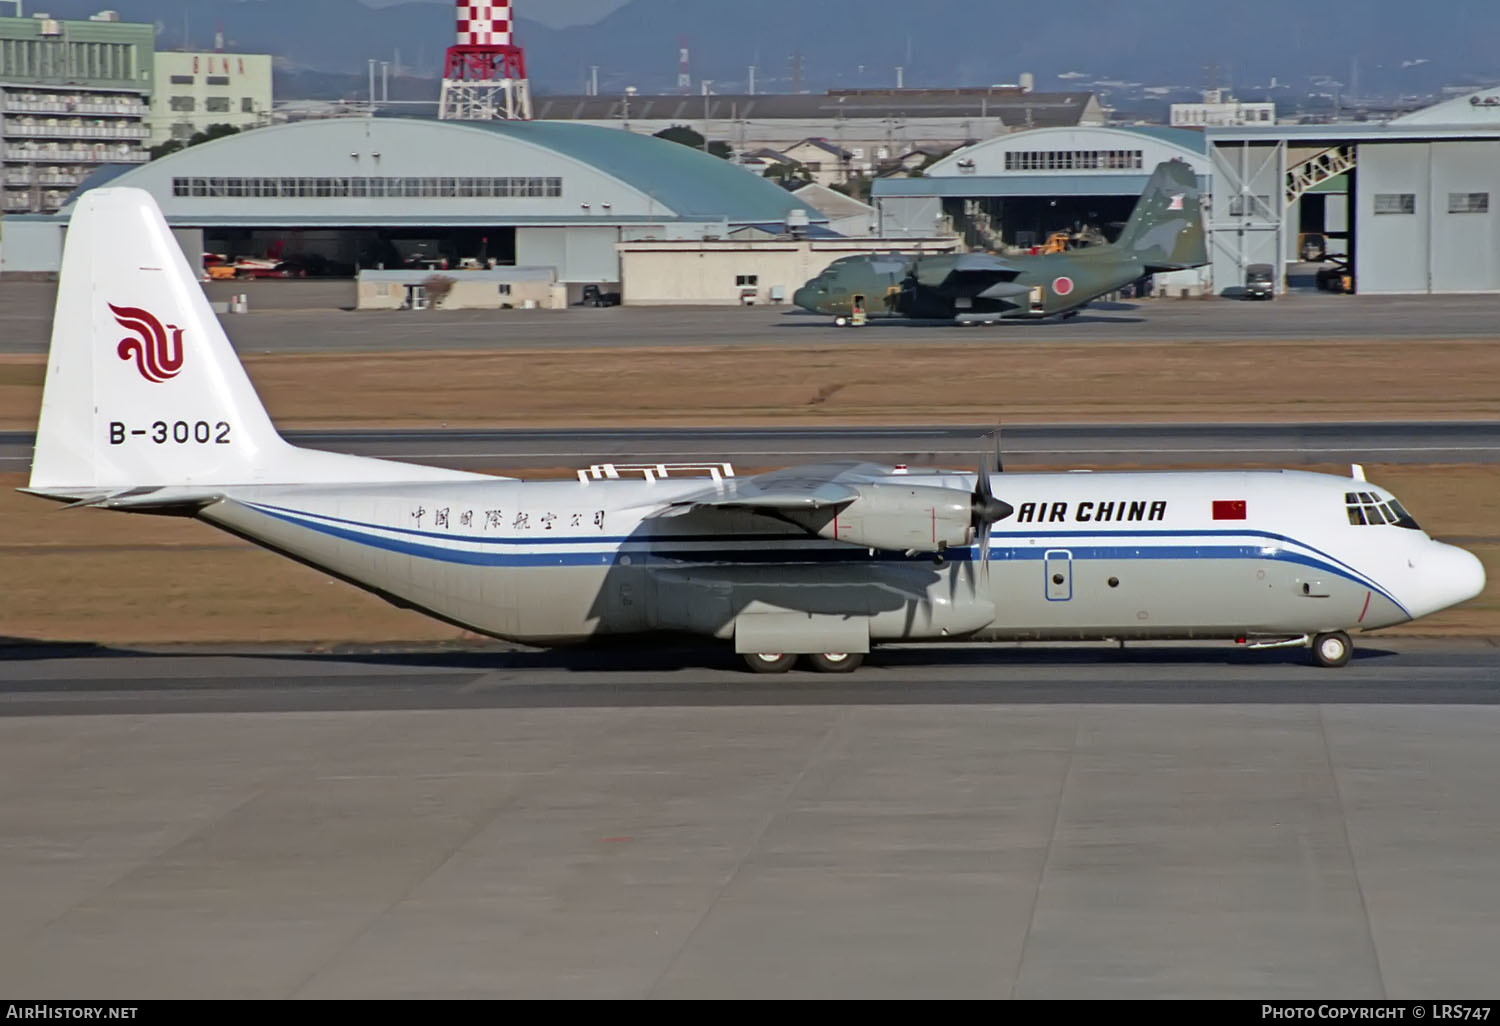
[{"x": 1062, "y": 285}]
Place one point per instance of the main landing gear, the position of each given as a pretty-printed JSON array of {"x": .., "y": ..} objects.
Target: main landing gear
[{"x": 823, "y": 662}]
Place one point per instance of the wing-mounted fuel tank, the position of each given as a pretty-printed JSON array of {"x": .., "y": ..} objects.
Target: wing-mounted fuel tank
[{"x": 896, "y": 517}]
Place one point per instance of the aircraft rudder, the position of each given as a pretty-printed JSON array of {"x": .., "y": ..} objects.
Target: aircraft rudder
[
  {"x": 1165, "y": 229},
  {"x": 142, "y": 385}
]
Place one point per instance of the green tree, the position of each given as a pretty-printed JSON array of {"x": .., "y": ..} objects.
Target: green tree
[
  {"x": 693, "y": 140},
  {"x": 161, "y": 149},
  {"x": 215, "y": 131},
  {"x": 788, "y": 176},
  {"x": 212, "y": 132}
]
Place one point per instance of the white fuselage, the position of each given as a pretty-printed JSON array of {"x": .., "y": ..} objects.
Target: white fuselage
[{"x": 1084, "y": 555}]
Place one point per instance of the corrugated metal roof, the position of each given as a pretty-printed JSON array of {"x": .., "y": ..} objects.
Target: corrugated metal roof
[
  {"x": 1012, "y": 107},
  {"x": 689, "y": 181},
  {"x": 1184, "y": 138},
  {"x": 1342, "y": 133}
]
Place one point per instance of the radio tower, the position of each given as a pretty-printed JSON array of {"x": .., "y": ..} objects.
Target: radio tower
[
  {"x": 684, "y": 78},
  {"x": 484, "y": 76}
]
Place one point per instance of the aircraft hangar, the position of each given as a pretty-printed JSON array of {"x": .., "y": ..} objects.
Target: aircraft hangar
[
  {"x": 345, "y": 193},
  {"x": 1419, "y": 190},
  {"x": 1016, "y": 190}
]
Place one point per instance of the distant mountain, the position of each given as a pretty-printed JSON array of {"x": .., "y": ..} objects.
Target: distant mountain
[
  {"x": 1389, "y": 46},
  {"x": 1192, "y": 43},
  {"x": 553, "y": 13},
  {"x": 320, "y": 35}
]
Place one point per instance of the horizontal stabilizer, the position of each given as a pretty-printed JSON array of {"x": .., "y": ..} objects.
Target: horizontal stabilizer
[{"x": 135, "y": 500}]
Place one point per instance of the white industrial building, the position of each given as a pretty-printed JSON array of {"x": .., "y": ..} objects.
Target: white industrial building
[
  {"x": 1218, "y": 109},
  {"x": 346, "y": 193},
  {"x": 195, "y": 90},
  {"x": 742, "y": 272},
  {"x": 1418, "y": 192}
]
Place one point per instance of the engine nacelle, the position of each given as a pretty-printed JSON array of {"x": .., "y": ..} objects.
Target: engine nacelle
[{"x": 902, "y": 518}]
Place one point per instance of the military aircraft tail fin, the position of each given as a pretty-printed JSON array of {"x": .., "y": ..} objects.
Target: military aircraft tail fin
[{"x": 1165, "y": 230}]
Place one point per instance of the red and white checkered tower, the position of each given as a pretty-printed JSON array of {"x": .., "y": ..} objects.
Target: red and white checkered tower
[{"x": 484, "y": 77}]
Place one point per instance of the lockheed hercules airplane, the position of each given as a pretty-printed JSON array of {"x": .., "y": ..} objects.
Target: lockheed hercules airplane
[
  {"x": 1164, "y": 233},
  {"x": 146, "y": 409}
]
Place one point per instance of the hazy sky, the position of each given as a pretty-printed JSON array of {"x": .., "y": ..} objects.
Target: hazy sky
[{"x": 553, "y": 13}]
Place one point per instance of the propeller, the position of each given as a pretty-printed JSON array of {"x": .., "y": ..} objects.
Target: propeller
[{"x": 985, "y": 509}]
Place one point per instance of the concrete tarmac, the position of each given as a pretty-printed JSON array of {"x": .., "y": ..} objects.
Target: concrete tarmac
[
  {"x": 951, "y": 822},
  {"x": 305, "y": 316}
]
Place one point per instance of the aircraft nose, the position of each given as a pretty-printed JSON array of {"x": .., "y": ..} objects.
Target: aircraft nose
[
  {"x": 803, "y": 297},
  {"x": 1447, "y": 575}
]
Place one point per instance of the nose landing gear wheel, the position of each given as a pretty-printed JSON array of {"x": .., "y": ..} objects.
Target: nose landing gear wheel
[
  {"x": 840, "y": 322},
  {"x": 770, "y": 662},
  {"x": 835, "y": 662},
  {"x": 1332, "y": 649}
]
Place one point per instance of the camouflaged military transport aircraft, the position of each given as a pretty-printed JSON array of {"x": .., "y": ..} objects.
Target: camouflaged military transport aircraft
[
  {"x": 146, "y": 409},
  {"x": 1164, "y": 233}
]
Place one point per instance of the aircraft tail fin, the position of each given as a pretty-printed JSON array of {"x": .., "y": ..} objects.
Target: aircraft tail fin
[
  {"x": 143, "y": 389},
  {"x": 1165, "y": 230}
]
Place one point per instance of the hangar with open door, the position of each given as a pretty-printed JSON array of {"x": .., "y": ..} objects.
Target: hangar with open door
[
  {"x": 339, "y": 194},
  {"x": 1414, "y": 195},
  {"x": 1042, "y": 189}
]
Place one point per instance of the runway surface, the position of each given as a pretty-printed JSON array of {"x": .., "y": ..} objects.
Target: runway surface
[
  {"x": 74, "y": 680},
  {"x": 1022, "y": 445},
  {"x": 956, "y": 822},
  {"x": 293, "y": 316}
]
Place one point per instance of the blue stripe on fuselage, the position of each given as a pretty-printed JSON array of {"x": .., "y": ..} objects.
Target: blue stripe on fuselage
[{"x": 663, "y": 550}]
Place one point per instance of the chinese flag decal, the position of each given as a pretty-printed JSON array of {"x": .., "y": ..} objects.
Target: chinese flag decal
[{"x": 1229, "y": 509}]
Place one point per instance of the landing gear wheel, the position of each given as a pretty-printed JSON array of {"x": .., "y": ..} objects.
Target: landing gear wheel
[
  {"x": 835, "y": 662},
  {"x": 1332, "y": 649},
  {"x": 770, "y": 662},
  {"x": 839, "y": 322}
]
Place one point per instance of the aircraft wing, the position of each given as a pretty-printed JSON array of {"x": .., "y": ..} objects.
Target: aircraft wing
[
  {"x": 975, "y": 274},
  {"x": 791, "y": 489}
]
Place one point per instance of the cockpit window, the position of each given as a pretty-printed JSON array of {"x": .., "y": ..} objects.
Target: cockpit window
[
  {"x": 1366, "y": 508},
  {"x": 1403, "y": 518}
]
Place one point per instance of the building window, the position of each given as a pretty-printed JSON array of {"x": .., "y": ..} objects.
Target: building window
[
  {"x": 505, "y": 288},
  {"x": 182, "y": 79},
  {"x": 747, "y": 279},
  {"x": 183, "y": 103},
  {"x": 218, "y": 80},
  {"x": 1074, "y": 160},
  {"x": 1468, "y": 203},
  {"x": 321, "y": 188},
  {"x": 247, "y": 105},
  {"x": 1395, "y": 203},
  {"x": 217, "y": 104},
  {"x": 1249, "y": 206}
]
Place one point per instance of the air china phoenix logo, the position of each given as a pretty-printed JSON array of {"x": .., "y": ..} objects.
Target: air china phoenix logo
[{"x": 157, "y": 356}]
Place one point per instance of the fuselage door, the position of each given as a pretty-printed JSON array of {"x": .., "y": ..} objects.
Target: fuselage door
[
  {"x": 1057, "y": 564},
  {"x": 1038, "y": 299}
]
